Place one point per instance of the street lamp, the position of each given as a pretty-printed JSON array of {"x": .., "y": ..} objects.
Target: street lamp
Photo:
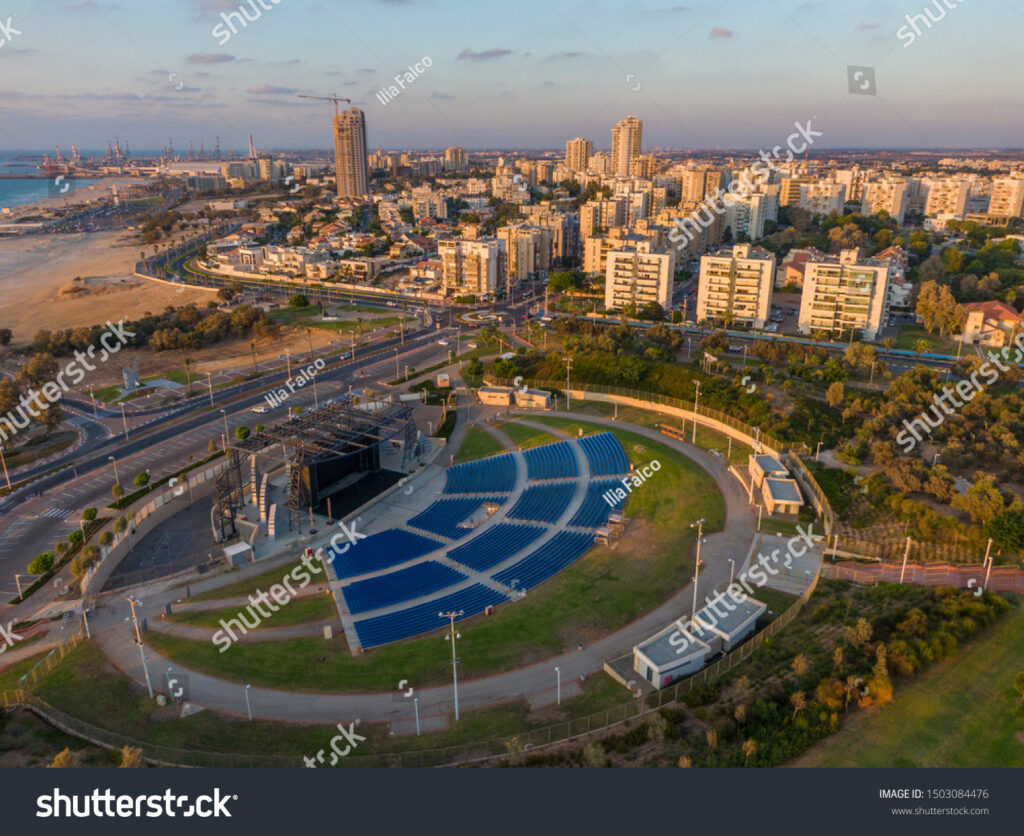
[
  {"x": 732, "y": 570},
  {"x": 699, "y": 525},
  {"x": 558, "y": 684},
  {"x": 133, "y": 602},
  {"x": 116, "y": 477},
  {"x": 696, "y": 395},
  {"x": 224, "y": 415},
  {"x": 124, "y": 420},
  {"x": 416, "y": 706},
  {"x": 209, "y": 384},
  {"x": 451, "y": 615},
  {"x": 248, "y": 703},
  {"x": 818, "y": 451}
]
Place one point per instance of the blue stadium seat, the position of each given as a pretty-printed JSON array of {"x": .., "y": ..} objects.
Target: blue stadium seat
[
  {"x": 379, "y": 551},
  {"x": 495, "y": 474},
  {"x": 595, "y": 509},
  {"x": 551, "y": 558},
  {"x": 495, "y": 545},
  {"x": 423, "y": 618},
  {"x": 551, "y": 461},
  {"x": 604, "y": 454},
  {"x": 444, "y": 516},
  {"x": 543, "y": 503},
  {"x": 403, "y": 585}
]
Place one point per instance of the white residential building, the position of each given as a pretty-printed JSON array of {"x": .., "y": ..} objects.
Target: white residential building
[
  {"x": 844, "y": 293},
  {"x": 885, "y": 196},
  {"x": 637, "y": 276},
  {"x": 472, "y": 267},
  {"x": 736, "y": 285}
]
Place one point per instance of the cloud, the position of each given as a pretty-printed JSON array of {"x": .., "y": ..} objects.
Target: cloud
[
  {"x": 487, "y": 55},
  {"x": 564, "y": 54},
  {"x": 721, "y": 32},
  {"x": 366, "y": 71},
  {"x": 867, "y": 27},
  {"x": 436, "y": 95},
  {"x": 548, "y": 84},
  {"x": 210, "y": 58},
  {"x": 268, "y": 90}
]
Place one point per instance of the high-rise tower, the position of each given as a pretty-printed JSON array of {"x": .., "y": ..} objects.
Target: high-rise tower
[
  {"x": 626, "y": 143},
  {"x": 353, "y": 176}
]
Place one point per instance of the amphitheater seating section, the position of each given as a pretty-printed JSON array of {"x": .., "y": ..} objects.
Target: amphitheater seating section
[
  {"x": 495, "y": 545},
  {"x": 403, "y": 585},
  {"x": 550, "y": 461},
  {"x": 605, "y": 454},
  {"x": 543, "y": 503},
  {"x": 594, "y": 511},
  {"x": 379, "y": 551},
  {"x": 495, "y": 474},
  {"x": 423, "y": 618},
  {"x": 551, "y": 558},
  {"x": 444, "y": 516}
]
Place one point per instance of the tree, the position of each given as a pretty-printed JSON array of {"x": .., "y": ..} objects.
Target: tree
[
  {"x": 800, "y": 665},
  {"x": 76, "y": 537},
  {"x": 749, "y": 748},
  {"x": 41, "y": 565},
  {"x": 141, "y": 480},
  {"x": 212, "y": 446},
  {"x": 106, "y": 538},
  {"x": 799, "y": 701},
  {"x": 120, "y": 524},
  {"x": 298, "y": 301},
  {"x": 188, "y": 361},
  {"x": 5, "y": 336},
  {"x": 834, "y": 394},
  {"x": 594, "y": 756},
  {"x": 242, "y": 433},
  {"x": 938, "y": 308},
  {"x": 131, "y": 758},
  {"x": 117, "y": 491},
  {"x": 89, "y": 514},
  {"x": 252, "y": 348},
  {"x": 226, "y": 293},
  {"x": 66, "y": 759},
  {"x": 684, "y": 762}
]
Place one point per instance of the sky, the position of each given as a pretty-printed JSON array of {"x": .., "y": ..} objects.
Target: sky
[{"x": 515, "y": 74}]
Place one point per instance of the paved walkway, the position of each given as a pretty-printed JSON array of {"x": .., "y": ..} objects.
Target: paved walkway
[{"x": 532, "y": 682}]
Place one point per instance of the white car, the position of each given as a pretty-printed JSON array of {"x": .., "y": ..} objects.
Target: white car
[
  {"x": 442, "y": 342},
  {"x": 471, "y": 346},
  {"x": 261, "y": 410}
]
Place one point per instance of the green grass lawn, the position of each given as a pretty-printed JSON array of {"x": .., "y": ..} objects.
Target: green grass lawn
[
  {"x": 310, "y": 318},
  {"x": 962, "y": 713},
  {"x": 526, "y": 437},
  {"x": 601, "y": 592},
  {"x": 40, "y": 448},
  {"x": 249, "y": 585},
  {"x": 910, "y": 334},
  {"x": 85, "y": 686},
  {"x": 477, "y": 444},
  {"x": 303, "y": 610}
]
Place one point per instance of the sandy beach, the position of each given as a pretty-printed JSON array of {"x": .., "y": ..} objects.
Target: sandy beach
[{"x": 77, "y": 196}]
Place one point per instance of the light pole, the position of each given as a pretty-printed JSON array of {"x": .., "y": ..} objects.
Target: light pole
[
  {"x": 699, "y": 525},
  {"x": 558, "y": 685},
  {"x": 696, "y": 395},
  {"x": 568, "y": 370},
  {"x": 17, "y": 581},
  {"x": 398, "y": 374},
  {"x": 224, "y": 415},
  {"x": 988, "y": 560},
  {"x": 138, "y": 640},
  {"x": 117, "y": 478},
  {"x": 451, "y": 615},
  {"x": 906, "y": 554},
  {"x": 248, "y": 703},
  {"x": 288, "y": 360},
  {"x": 416, "y": 706},
  {"x": 732, "y": 570},
  {"x": 124, "y": 420},
  {"x": 4, "y": 461},
  {"x": 818, "y": 451},
  {"x": 209, "y": 384}
]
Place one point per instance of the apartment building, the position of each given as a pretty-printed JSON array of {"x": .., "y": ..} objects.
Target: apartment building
[
  {"x": 528, "y": 251},
  {"x": 636, "y": 276},
  {"x": 472, "y": 267},
  {"x": 577, "y": 153},
  {"x": 627, "y": 136},
  {"x": 844, "y": 293},
  {"x": 746, "y": 216},
  {"x": 697, "y": 183},
  {"x": 603, "y": 214},
  {"x": 1007, "y": 200},
  {"x": 947, "y": 197},
  {"x": 456, "y": 159},
  {"x": 854, "y": 180},
  {"x": 597, "y": 247},
  {"x": 736, "y": 286},
  {"x": 822, "y": 198},
  {"x": 888, "y": 196}
]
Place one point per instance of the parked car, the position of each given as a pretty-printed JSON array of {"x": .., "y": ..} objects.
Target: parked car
[
  {"x": 442, "y": 342},
  {"x": 261, "y": 410}
]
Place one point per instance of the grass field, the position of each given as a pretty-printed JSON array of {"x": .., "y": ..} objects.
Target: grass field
[
  {"x": 963, "y": 713},
  {"x": 310, "y": 318},
  {"x": 86, "y": 685},
  {"x": 477, "y": 444},
  {"x": 249, "y": 585},
  {"x": 910, "y": 334},
  {"x": 652, "y": 561},
  {"x": 40, "y": 448},
  {"x": 305, "y": 610},
  {"x": 525, "y": 436}
]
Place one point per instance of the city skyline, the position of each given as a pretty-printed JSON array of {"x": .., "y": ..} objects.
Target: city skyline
[{"x": 693, "y": 75}]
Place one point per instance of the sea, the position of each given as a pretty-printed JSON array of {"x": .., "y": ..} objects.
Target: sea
[{"x": 29, "y": 187}]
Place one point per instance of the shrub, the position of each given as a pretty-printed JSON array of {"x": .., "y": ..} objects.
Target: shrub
[{"x": 41, "y": 565}]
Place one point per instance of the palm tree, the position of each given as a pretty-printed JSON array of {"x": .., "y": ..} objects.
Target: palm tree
[
  {"x": 920, "y": 347},
  {"x": 252, "y": 347},
  {"x": 188, "y": 361},
  {"x": 309, "y": 336}
]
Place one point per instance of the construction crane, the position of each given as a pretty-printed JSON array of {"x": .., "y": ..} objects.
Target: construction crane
[{"x": 334, "y": 99}]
